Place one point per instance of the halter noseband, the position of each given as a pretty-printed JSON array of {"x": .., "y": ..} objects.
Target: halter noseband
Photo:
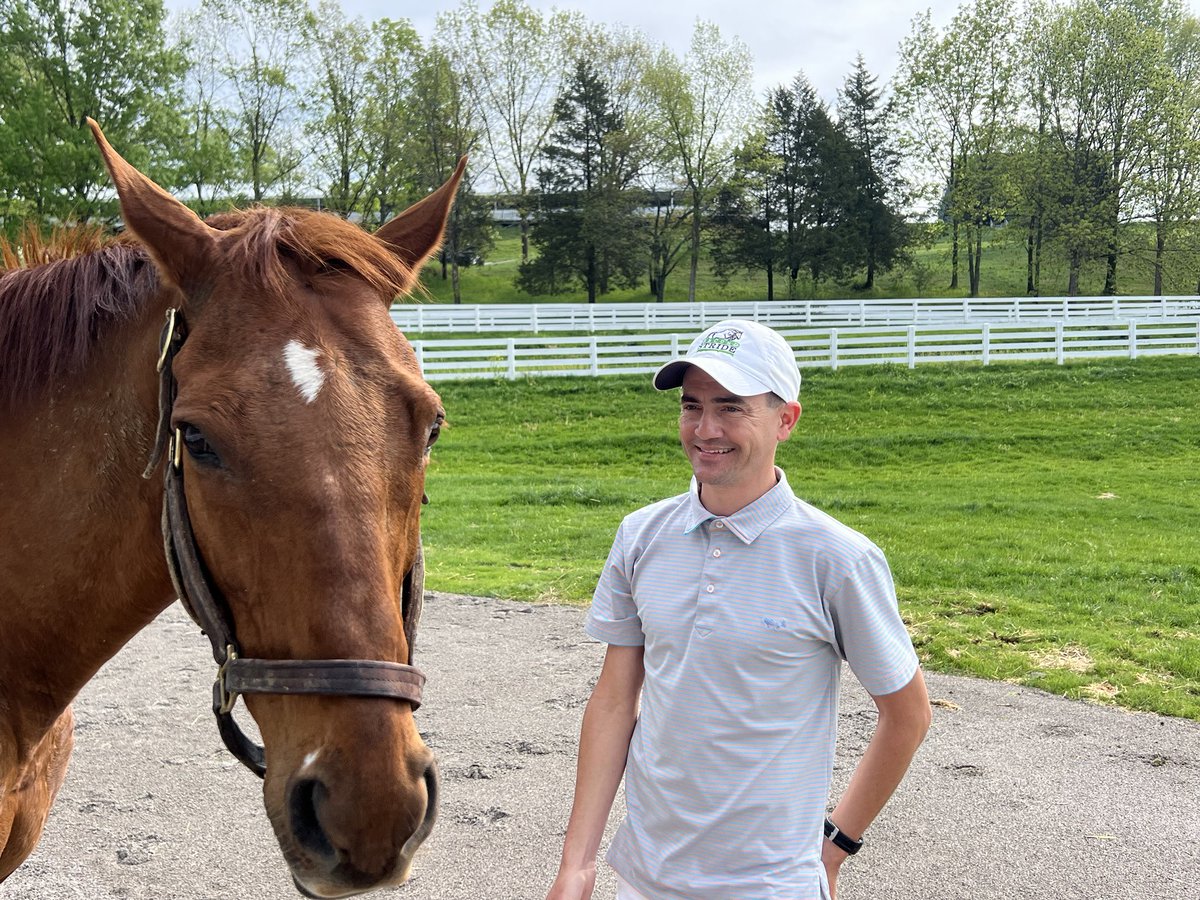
[{"x": 203, "y": 601}]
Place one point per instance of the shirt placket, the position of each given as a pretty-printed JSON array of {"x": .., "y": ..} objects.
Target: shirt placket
[{"x": 714, "y": 582}]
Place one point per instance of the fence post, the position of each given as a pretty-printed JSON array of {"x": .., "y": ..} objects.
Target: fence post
[
  {"x": 419, "y": 349},
  {"x": 533, "y": 319},
  {"x": 420, "y": 318},
  {"x": 987, "y": 343},
  {"x": 591, "y": 319},
  {"x": 512, "y": 359},
  {"x": 674, "y": 346},
  {"x": 1058, "y": 342},
  {"x": 862, "y": 312},
  {"x": 1016, "y": 313},
  {"x": 595, "y": 356},
  {"x": 1133, "y": 350},
  {"x": 1066, "y": 308},
  {"x": 912, "y": 346},
  {"x": 833, "y": 360}
]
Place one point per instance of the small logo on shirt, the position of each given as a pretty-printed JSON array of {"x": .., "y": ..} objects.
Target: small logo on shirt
[
  {"x": 728, "y": 340},
  {"x": 774, "y": 624}
]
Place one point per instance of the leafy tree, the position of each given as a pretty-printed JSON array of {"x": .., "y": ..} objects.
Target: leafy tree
[
  {"x": 263, "y": 60},
  {"x": 588, "y": 232},
  {"x": 747, "y": 206},
  {"x": 338, "y": 105},
  {"x": 392, "y": 178},
  {"x": 444, "y": 130},
  {"x": 875, "y": 232},
  {"x": 59, "y": 64},
  {"x": 957, "y": 92},
  {"x": 207, "y": 163},
  {"x": 512, "y": 60},
  {"x": 704, "y": 104}
]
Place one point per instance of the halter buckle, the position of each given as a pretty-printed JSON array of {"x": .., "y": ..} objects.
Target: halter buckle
[
  {"x": 225, "y": 697},
  {"x": 168, "y": 335}
]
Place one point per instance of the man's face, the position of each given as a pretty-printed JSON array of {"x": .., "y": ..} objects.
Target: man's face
[{"x": 730, "y": 440}]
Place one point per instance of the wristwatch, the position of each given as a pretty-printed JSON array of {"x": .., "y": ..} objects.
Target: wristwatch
[{"x": 841, "y": 841}]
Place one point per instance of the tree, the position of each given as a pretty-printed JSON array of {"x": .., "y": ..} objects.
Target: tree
[
  {"x": 262, "y": 58},
  {"x": 742, "y": 237},
  {"x": 392, "y": 182},
  {"x": 59, "y": 64},
  {"x": 875, "y": 228},
  {"x": 444, "y": 130},
  {"x": 588, "y": 231},
  {"x": 337, "y": 126},
  {"x": 512, "y": 60},
  {"x": 207, "y": 163},
  {"x": 704, "y": 104},
  {"x": 957, "y": 94}
]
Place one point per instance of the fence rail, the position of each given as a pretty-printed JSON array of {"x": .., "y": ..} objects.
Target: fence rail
[
  {"x": 985, "y": 343},
  {"x": 592, "y": 318}
]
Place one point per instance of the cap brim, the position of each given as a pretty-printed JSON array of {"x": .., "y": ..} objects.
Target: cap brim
[{"x": 671, "y": 376}]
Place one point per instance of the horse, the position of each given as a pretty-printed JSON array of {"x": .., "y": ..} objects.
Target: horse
[{"x": 249, "y": 365}]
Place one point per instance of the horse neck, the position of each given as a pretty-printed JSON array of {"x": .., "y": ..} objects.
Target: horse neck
[{"x": 81, "y": 569}]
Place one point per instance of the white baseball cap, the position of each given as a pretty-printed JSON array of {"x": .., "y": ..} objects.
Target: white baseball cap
[{"x": 743, "y": 356}]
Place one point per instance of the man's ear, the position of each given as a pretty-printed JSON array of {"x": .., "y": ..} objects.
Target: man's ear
[{"x": 789, "y": 415}]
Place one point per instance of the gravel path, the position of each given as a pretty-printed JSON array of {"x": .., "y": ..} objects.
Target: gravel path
[{"x": 1016, "y": 794}]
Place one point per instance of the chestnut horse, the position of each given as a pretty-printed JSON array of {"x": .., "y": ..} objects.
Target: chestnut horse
[{"x": 288, "y": 433}]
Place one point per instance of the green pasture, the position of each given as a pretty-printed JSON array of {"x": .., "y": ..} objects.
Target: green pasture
[
  {"x": 927, "y": 274},
  {"x": 1042, "y": 521}
]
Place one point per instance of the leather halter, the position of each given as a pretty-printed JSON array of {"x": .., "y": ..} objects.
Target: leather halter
[{"x": 203, "y": 601}]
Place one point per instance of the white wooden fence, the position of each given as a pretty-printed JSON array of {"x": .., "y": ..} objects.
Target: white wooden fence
[
  {"x": 592, "y": 318},
  {"x": 982, "y": 342}
]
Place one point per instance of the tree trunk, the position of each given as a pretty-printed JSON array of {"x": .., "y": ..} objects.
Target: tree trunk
[
  {"x": 978, "y": 262},
  {"x": 694, "y": 262},
  {"x": 1030, "y": 232},
  {"x": 953, "y": 255},
  {"x": 1073, "y": 278},
  {"x": 1160, "y": 245},
  {"x": 455, "y": 281},
  {"x": 1110, "y": 273}
]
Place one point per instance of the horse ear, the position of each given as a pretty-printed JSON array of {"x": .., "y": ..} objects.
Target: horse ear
[
  {"x": 182, "y": 246},
  {"x": 416, "y": 233}
]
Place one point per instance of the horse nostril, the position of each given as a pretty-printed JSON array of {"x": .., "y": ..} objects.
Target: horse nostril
[{"x": 307, "y": 796}]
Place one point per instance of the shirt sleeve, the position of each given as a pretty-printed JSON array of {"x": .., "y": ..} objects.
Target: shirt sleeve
[
  {"x": 870, "y": 634},
  {"x": 613, "y": 617}
]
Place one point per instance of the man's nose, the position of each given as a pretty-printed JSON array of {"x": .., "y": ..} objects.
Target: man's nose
[{"x": 708, "y": 426}]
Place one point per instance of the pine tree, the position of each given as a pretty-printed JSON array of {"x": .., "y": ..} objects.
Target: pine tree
[
  {"x": 874, "y": 231},
  {"x": 588, "y": 229}
]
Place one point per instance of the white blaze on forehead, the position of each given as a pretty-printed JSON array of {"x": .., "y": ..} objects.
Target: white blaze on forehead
[{"x": 302, "y": 363}]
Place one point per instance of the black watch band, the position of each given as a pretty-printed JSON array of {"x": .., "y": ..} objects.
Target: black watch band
[{"x": 841, "y": 841}]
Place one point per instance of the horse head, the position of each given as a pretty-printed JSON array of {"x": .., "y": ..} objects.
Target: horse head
[{"x": 303, "y": 431}]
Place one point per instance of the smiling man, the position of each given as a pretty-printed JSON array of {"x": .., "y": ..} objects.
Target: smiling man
[{"x": 728, "y": 611}]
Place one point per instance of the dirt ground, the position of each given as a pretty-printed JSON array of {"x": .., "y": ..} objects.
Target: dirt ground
[{"x": 1016, "y": 794}]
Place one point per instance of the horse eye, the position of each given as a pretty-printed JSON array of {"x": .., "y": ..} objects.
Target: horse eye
[
  {"x": 436, "y": 431},
  {"x": 198, "y": 446}
]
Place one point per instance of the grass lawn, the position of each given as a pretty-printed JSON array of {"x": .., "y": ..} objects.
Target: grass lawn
[{"x": 1042, "y": 521}]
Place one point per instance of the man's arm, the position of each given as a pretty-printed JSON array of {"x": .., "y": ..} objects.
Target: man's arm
[
  {"x": 904, "y": 718},
  {"x": 604, "y": 739}
]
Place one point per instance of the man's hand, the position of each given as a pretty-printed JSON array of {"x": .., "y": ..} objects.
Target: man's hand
[
  {"x": 832, "y": 857},
  {"x": 577, "y": 885}
]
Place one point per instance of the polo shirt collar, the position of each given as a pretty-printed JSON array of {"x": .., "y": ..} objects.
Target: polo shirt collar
[{"x": 749, "y": 521}]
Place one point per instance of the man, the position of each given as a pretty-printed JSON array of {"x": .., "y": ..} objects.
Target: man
[{"x": 729, "y": 610}]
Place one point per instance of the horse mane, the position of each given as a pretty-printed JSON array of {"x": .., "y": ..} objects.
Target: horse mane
[
  {"x": 265, "y": 235},
  {"x": 58, "y": 297}
]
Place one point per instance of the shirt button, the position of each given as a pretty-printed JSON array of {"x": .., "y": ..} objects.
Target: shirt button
[
  {"x": 710, "y": 588},
  {"x": 716, "y": 553},
  {"x": 720, "y": 524}
]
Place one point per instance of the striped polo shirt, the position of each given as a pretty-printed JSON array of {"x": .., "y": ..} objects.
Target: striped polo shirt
[{"x": 745, "y": 620}]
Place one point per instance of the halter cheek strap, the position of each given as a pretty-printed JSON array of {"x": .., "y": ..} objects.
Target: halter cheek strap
[{"x": 203, "y": 601}]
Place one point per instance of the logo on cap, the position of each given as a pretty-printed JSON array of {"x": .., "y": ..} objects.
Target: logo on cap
[{"x": 725, "y": 341}]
